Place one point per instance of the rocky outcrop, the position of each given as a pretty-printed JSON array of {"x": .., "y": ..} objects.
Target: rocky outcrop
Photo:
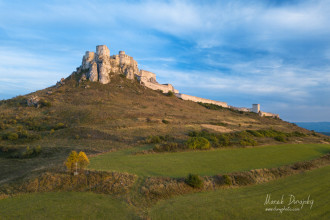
[
  {"x": 100, "y": 67},
  {"x": 88, "y": 59},
  {"x": 33, "y": 101},
  {"x": 93, "y": 75}
]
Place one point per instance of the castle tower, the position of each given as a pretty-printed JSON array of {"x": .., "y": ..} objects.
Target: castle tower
[
  {"x": 256, "y": 108},
  {"x": 102, "y": 51}
]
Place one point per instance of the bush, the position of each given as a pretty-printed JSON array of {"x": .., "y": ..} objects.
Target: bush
[
  {"x": 223, "y": 140},
  {"x": 44, "y": 103},
  {"x": 226, "y": 179},
  {"x": 280, "y": 138},
  {"x": 243, "y": 180},
  {"x": 168, "y": 147},
  {"x": 194, "y": 180},
  {"x": 165, "y": 121},
  {"x": 12, "y": 136},
  {"x": 158, "y": 139},
  {"x": 198, "y": 143},
  {"x": 298, "y": 134},
  {"x": 59, "y": 126},
  {"x": 170, "y": 94},
  {"x": 211, "y": 106},
  {"x": 153, "y": 140}
]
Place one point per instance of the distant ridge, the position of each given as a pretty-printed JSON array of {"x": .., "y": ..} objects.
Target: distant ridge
[{"x": 323, "y": 127}]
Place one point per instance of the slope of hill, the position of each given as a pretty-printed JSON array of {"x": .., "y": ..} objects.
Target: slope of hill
[{"x": 96, "y": 118}]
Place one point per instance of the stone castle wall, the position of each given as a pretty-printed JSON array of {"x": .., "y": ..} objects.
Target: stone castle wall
[
  {"x": 101, "y": 65},
  {"x": 268, "y": 114},
  {"x": 165, "y": 88},
  {"x": 197, "y": 99}
]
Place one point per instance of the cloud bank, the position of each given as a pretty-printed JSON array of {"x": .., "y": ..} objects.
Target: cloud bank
[{"x": 275, "y": 53}]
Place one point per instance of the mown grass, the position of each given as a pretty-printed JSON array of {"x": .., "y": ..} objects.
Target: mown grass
[
  {"x": 64, "y": 205},
  {"x": 248, "y": 202},
  {"x": 206, "y": 162}
]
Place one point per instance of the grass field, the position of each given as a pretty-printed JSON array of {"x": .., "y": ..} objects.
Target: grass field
[
  {"x": 248, "y": 202},
  {"x": 64, "y": 205},
  {"x": 207, "y": 162}
]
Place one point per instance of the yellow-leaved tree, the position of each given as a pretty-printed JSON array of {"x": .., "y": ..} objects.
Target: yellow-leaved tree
[
  {"x": 83, "y": 160},
  {"x": 71, "y": 161}
]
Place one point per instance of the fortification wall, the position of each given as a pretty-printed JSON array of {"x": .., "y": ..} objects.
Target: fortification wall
[
  {"x": 155, "y": 86},
  {"x": 268, "y": 114},
  {"x": 146, "y": 76},
  {"x": 242, "y": 109},
  {"x": 197, "y": 99}
]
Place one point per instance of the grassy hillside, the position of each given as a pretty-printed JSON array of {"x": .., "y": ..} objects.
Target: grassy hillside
[
  {"x": 248, "y": 202},
  {"x": 69, "y": 205},
  {"x": 98, "y": 118},
  {"x": 206, "y": 162}
]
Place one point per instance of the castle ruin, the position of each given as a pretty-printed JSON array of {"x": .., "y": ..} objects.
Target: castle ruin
[{"x": 100, "y": 67}]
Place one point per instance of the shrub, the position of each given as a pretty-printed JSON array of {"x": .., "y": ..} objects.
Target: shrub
[
  {"x": 298, "y": 134},
  {"x": 224, "y": 140},
  {"x": 280, "y": 138},
  {"x": 59, "y": 126},
  {"x": 243, "y": 180},
  {"x": 194, "y": 181},
  {"x": 165, "y": 121},
  {"x": 210, "y": 106},
  {"x": 305, "y": 165},
  {"x": 153, "y": 140},
  {"x": 198, "y": 143},
  {"x": 168, "y": 147},
  {"x": 227, "y": 179},
  {"x": 255, "y": 133},
  {"x": 170, "y": 94},
  {"x": 44, "y": 103},
  {"x": 12, "y": 136}
]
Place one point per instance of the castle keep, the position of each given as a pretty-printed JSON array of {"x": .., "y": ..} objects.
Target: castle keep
[{"x": 100, "y": 67}]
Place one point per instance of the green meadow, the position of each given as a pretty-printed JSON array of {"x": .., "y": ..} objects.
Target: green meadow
[
  {"x": 64, "y": 205},
  {"x": 206, "y": 162},
  {"x": 248, "y": 202}
]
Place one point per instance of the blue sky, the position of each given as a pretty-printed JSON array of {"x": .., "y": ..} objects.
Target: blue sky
[{"x": 276, "y": 53}]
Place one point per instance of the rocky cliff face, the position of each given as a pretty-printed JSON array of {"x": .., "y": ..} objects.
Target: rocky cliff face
[{"x": 100, "y": 66}]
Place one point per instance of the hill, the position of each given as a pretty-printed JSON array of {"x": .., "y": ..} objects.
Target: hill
[{"x": 98, "y": 118}]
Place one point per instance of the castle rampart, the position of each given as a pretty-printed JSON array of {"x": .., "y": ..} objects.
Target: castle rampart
[
  {"x": 197, "y": 99},
  {"x": 101, "y": 65}
]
